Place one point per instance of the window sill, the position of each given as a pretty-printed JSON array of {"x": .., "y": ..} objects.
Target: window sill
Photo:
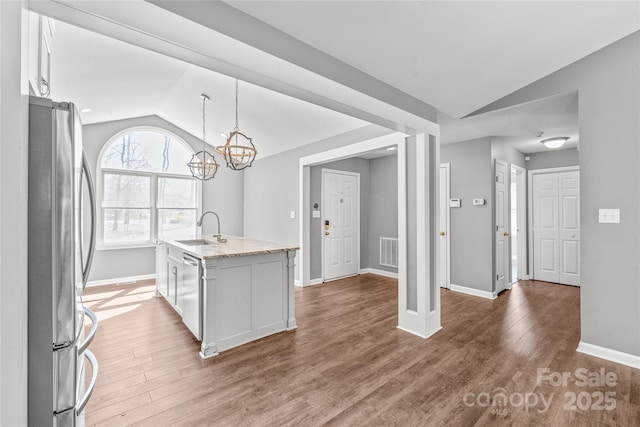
[{"x": 128, "y": 246}]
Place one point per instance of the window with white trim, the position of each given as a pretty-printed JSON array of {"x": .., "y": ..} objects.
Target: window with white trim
[{"x": 147, "y": 191}]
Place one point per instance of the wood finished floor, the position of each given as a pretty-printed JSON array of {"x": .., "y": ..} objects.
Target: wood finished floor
[{"x": 347, "y": 364}]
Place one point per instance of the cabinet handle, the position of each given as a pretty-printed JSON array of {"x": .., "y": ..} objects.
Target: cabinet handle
[{"x": 174, "y": 270}]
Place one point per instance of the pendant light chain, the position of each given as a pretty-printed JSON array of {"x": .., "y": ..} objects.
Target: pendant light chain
[
  {"x": 237, "y": 128},
  {"x": 204, "y": 118}
]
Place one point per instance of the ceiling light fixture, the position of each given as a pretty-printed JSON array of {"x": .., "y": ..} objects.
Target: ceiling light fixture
[
  {"x": 391, "y": 148},
  {"x": 556, "y": 142},
  {"x": 239, "y": 155},
  {"x": 203, "y": 165}
]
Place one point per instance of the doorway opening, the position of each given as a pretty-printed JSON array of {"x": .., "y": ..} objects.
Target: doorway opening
[
  {"x": 518, "y": 219},
  {"x": 350, "y": 212}
]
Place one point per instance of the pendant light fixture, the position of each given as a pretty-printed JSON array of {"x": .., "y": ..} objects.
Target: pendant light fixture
[
  {"x": 203, "y": 165},
  {"x": 239, "y": 151}
]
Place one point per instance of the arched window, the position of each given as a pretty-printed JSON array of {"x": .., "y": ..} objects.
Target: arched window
[{"x": 146, "y": 188}]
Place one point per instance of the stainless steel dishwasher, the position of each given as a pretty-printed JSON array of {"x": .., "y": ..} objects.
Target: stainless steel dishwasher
[{"x": 191, "y": 294}]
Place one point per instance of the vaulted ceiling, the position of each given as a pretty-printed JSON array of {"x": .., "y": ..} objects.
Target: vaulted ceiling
[{"x": 455, "y": 56}]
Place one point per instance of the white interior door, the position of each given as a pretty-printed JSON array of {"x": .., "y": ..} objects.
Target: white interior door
[
  {"x": 569, "y": 227},
  {"x": 545, "y": 227},
  {"x": 340, "y": 224},
  {"x": 443, "y": 249},
  {"x": 556, "y": 227},
  {"x": 502, "y": 212}
]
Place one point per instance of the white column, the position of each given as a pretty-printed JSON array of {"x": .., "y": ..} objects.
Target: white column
[
  {"x": 291, "y": 265},
  {"x": 418, "y": 293}
]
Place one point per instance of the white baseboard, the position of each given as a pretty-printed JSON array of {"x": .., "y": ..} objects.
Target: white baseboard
[
  {"x": 312, "y": 282},
  {"x": 474, "y": 292},
  {"x": 608, "y": 354},
  {"x": 121, "y": 280},
  {"x": 379, "y": 272}
]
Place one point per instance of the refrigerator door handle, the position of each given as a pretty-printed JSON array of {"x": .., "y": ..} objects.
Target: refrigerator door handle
[
  {"x": 94, "y": 375},
  {"x": 92, "y": 202},
  {"x": 92, "y": 332}
]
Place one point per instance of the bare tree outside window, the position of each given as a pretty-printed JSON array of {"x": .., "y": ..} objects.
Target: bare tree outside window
[{"x": 154, "y": 160}]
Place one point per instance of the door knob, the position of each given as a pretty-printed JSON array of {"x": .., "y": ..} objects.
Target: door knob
[
  {"x": 442, "y": 233},
  {"x": 506, "y": 234},
  {"x": 326, "y": 233}
]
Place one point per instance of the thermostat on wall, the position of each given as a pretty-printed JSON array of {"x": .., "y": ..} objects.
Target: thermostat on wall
[
  {"x": 454, "y": 203},
  {"x": 478, "y": 202}
]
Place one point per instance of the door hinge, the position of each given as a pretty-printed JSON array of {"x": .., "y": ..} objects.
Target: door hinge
[
  {"x": 497, "y": 277},
  {"x": 496, "y": 178}
]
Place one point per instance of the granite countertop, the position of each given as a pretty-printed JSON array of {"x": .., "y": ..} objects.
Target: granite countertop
[{"x": 235, "y": 246}]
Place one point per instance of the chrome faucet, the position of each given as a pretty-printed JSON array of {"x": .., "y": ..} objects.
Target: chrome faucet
[{"x": 217, "y": 236}]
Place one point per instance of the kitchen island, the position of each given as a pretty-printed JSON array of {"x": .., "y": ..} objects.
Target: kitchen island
[{"x": 228, "y": 293}]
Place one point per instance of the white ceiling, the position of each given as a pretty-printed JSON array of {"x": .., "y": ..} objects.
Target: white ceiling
[
  {"x": 519, "y": 125},
  {"x": 456, "y": 56},
  {"x": 118, "y": 81}
]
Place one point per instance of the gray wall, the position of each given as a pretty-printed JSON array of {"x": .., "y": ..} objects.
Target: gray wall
[
  {"x": 383, "y": 206},
  {"x": 223, "y": 194},
  {"x": 360, "y": 166},
  {"x": 271, "y": 188},
  {"x": 378, "y": 208},
  {"x": 504, "y": 151},
  {"x": 471, "y": 226},
  {"x": 553, "y": 159},
  {"x": 608, "y": 84}
]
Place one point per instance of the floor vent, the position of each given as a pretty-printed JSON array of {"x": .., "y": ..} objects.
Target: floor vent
[{"x": 389, "y": 251}]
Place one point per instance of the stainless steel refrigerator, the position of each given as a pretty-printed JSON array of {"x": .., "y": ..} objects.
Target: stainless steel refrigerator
[{"x": 58, "y": 267}]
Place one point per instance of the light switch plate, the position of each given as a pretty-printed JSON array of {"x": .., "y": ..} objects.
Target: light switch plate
[
  {"x": 609, "y": 216},
  {"x": 292, "y": 214}
]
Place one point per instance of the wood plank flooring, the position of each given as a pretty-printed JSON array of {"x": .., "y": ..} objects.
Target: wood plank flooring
[{"x": 348, "y": 365}]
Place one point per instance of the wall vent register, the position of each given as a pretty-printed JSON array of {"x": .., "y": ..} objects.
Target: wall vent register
[{"x": 389, "y": 251}]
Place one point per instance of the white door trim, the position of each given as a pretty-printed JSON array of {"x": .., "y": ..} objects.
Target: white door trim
[
  {"x": 303, "y": 260},
  {"x": 507, "y": 226},
  {"x": 531, "y": 173},
  {"x": 322, "y": 219},
  {"x": 447, "y": 226},
  {"x": 523, "y": 237}
]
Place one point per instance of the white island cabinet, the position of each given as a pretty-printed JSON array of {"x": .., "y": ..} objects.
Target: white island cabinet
[{"x": 234, "y": 292}]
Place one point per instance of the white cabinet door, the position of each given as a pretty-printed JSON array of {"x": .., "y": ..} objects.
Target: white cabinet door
[
  {"x": 175, "y": 280},
  {"x": 162, "y": 269}
]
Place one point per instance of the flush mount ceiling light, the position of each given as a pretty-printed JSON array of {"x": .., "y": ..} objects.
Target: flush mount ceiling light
[
  {"x": 203, "y": 165},
  {"x": 556, "y": 142},
  {"x": 239, "y": 151}
]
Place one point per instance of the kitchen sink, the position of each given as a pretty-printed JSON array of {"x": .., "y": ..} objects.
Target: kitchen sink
[{"x": 196, "y": 242}]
